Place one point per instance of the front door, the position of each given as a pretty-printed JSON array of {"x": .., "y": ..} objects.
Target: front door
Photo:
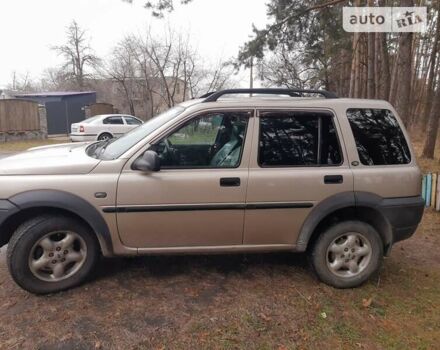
[
  {"x": 197, "y": 198},
  {"x": 297, "y": 162}
]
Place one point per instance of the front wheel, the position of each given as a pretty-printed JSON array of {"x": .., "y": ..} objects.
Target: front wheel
[
  {"x": 48, "y": 254},
  {"x": 347, "y": 254}
]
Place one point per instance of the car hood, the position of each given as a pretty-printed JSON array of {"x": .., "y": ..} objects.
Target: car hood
[{"x": 58, "y": 159}]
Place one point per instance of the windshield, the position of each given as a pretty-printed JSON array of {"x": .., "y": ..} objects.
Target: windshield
[{"x": 114, "y": 148}]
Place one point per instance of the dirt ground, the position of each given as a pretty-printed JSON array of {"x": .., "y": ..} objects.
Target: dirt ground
[{"x": 234, "y": 302}]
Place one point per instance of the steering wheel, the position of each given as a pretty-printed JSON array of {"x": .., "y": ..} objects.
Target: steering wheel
[{"x": 168, "y": 152}]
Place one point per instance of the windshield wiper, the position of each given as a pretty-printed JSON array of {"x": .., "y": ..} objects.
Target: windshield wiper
[
  {"x": 98, "y": 148},
  {"x": 101, "y": 148}
]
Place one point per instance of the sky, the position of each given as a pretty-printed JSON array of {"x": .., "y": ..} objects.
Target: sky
[{"x": 29, "y": 28}]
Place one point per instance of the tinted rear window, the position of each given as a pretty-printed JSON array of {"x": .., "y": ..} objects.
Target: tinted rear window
[
  {"x": 379, "y": 139},
  {"x": 113, "y": 120}
]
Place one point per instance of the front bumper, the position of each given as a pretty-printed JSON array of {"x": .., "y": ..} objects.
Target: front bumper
[
  {"x": 6, "y": 210},
  {"x": 404, "y": 215}
]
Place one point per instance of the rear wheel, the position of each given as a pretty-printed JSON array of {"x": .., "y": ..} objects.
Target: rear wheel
[
  {"x": 49, "y": 254},
  {"x": 105, "y": 136},
  {"x": 347, "y": 254}
]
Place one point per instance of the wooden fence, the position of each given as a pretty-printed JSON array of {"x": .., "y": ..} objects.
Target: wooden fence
[
  {"x": 431, "y": 190},
  {"x": 99, "y": 108},
  {"x": 19, "y": 115}
]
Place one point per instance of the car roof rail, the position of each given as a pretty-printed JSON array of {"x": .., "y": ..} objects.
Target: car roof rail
[
  {"x": 207, "y": 94},
  {"x": 214, "y": 96}
]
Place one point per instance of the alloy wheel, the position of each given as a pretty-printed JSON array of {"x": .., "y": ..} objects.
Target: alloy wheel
[
  {"x": 349, "y": 254},
  {"x": 57, "y": 256}
]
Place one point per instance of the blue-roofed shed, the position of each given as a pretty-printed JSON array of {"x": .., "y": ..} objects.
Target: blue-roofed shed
[{"x": 62, "y": 108}]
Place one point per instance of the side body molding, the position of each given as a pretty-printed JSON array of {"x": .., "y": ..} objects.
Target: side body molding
[{"x": 69, "y": 202}]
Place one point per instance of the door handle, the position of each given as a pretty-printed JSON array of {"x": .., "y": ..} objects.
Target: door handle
[
  {"x": 333, "y": 179},
  {"x": 230, "y": 181}
]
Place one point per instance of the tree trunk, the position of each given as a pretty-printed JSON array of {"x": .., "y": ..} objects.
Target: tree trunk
[
  {"x": 364, "y": 66},
  {"x": 371, "y": 59},
  {"x": 377, "y": 64},
  {"x": 354, "y": 67},
  {"x": 371, "y": 87},
  {"x": 430, "y": 83},
  {"x": 432, "y": 129},
  {"x": 403, "y": 91},
  {"x": 354, "y": 74},
  {"x": 385, "y": 65},
  {"x": 393, "y": 83}
]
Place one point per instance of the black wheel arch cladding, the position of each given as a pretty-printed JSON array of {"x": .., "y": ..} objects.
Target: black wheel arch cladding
[
  {"x": 408, "y": 210},
  {"x": 71, "y": 203}
]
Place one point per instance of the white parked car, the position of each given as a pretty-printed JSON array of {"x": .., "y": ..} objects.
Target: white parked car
[{"x": 103, "y": 127}]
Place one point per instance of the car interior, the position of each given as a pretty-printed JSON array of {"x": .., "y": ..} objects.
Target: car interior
[{"x": 210, "y": 141}]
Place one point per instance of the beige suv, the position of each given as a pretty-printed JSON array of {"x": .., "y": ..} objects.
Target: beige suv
[{"x": 229, "y": 172}]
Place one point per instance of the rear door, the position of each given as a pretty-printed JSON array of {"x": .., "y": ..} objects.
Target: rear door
[
  {"x": 297, "y": 161},
  {"x": 115, "y": 124}
]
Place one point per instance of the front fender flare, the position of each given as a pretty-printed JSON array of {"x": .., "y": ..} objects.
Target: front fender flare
[{"x": 69, "y": 202}]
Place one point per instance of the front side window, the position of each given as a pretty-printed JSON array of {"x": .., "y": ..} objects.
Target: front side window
[
  {"x": 114, "y": 148},
  {"x": 213, "y": 140},
  {"x": 113, "y": 120},
  {"x": 295, "y": 138},
  {"x": 378, "y": 136}
]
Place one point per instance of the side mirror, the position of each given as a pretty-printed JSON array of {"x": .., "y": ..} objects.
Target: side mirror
[{"x": 149, "y": 161}]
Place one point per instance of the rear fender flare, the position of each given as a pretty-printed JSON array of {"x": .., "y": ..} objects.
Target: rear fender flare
[
  {"x": 340, "y": 201},
  {"x": 319, "y": 212}
]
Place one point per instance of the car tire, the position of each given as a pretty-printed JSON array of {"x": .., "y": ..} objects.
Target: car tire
[
  {"x": 49, "y": 254},
  {"x": 347, "y": 254},
  {"x": 105, "y": 136}
]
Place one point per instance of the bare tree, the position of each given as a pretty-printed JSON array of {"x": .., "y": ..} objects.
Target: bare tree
[
  {"x": 170, "y": 70},
  {"x": 284, "y": 68},
  {"x": 208, "y": 78},
  {"x": 121, "y": 68},
  {"x": 56, "y": 79},
  {"x": 148, "y": 73},
  {"x": 156, "y": 70},
  {"x": 22, "y": 83},
  {"x": 78, "y": 54}
]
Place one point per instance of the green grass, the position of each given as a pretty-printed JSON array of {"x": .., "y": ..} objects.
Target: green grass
[
  {"x": 347, "y": 332},
  {"x": 19, "y": 146},
  {"x": 197, "y": 138}
]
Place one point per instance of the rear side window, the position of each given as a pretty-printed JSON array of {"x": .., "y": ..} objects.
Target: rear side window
[
  {"x": 113, "y": 120},
  {"x": 290, "y": 138},
  {"x": 132, "y": 121},
  {"x": 379, "y": 139}
]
